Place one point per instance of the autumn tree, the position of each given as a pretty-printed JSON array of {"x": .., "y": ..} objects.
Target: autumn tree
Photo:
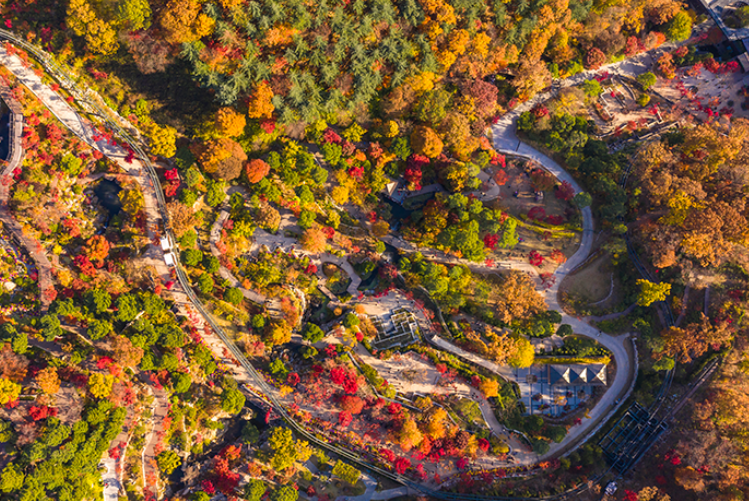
[
  {"x": 286, "y": 450},
  {"x": 132, "y": 201},
  {"x": 223, "y": 158},
  {"x": 97, "y": 249},
  {"x": 594, "y": 58},
  {"x": 183, "y": 21},
  {"x": 125, "y": 353},
  {"x": 268, "y": 218},
  {"x": 100, "y": 385},
  {"x": 150, "y": 53},
  {"x": 260, "y": 105},
  {"x": 347, "y": 473},
  {"x": 277, "y": 333},
  {"x": 162, "y": 139},
  {"x": 516, "y": 298},
  {"x": 183, "y": 218},
  {"x": 100, "y": 36},
  {"x": 352, "y": 404},
  {"x": 524, "y": 355},
  {"x": 134, "y": 14},
  {"x": 694, "y": 340},
  {"x": 229, "y": 123},
  {"x": 9, "y": 391},
  {"x": 12, "y": 365},
  {"x": 168, "y": 461},
  {"x": 499, "y": 347},
  {"x": 651, "y": 292},
  {"x": 435, "y": 422},
  {"x": 48, "y": 380},
  {"x": 426, "y": 142},
  {"x": 255, "y": 170},
  {"x": 489, "y": 387},
  {"x": 314, "y": 240},
  {"x": 531, "y": 78},
  {"x": 409, "y": 435}
]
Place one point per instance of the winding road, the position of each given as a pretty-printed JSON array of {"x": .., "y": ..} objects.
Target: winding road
[{"x": 223, "y": 348}]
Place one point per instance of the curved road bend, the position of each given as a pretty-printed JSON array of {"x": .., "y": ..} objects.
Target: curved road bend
[{"x": 76, "y": 124}]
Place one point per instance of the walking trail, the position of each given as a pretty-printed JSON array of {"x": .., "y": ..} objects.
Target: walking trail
[
  {"x": 16, "y": 154},
  {"x": 506, "y": 142},
  {"x": 152, "y": 257}
]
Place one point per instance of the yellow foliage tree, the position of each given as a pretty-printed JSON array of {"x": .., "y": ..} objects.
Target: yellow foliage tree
[
  {"x": 163, "y": 139},
  {"x": 101, "y": 38},
  {"x": 277, "y": 333},
  {"x": 229, "y": 123},
  {"x": 183, "y": 21},
  {"x": 480, "y": 45},
  {"x": 79, "y": 16},
  {"x": 446, "y": 59},
  {"x": 132, "y": 201},
  {"x": 421, "y": 82},
  {"x": 390, "y": 128},
  {"x": 435, "y": 423},
  {"x": 457, "y": 41},
  {"x": 431, "y": 29},
  {"x": 441, "y": 11},
  {"x": 100, "y": 385},
  {"x": 409, "y": 435},
  {"x": 339, "y": 194},
  {"x": 680, "y": 204},
  {"x": 9, "y": 391},
  {"x": 489, "y": 387}
]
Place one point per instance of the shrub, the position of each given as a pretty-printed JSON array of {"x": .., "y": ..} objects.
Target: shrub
[
  {"x": 233, "y": 295},
  {"x": 647, "y": 80}
]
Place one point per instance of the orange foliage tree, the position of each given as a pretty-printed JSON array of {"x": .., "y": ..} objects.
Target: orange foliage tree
[
  {"x": 260, "y": 105},
  {"x": 314, "y": 240},
  {"x": 426, "y": 142},
  {"x": 97, "y": 249},
  {"x": 255, "y": 170}
]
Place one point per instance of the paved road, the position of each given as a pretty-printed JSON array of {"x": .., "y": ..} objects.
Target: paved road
[
  {"x": 32, "y": 246},
  {"x": 505, "y": 141},
  {"x": 109, "y": 479}
]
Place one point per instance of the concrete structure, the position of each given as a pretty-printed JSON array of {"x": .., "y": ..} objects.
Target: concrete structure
[{"x": 398, "y": 328}]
